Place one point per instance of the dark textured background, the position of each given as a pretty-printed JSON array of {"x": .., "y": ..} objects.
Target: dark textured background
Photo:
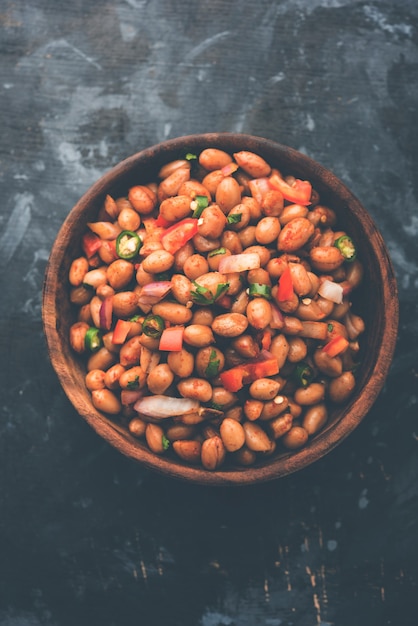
[{"x": 87, "y": 537}]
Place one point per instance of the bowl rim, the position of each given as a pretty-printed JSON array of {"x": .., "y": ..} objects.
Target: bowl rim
[{"x": 286, "y": 463}]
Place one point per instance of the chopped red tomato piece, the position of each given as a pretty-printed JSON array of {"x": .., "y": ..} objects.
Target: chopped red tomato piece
[
  {"x": 229, "y": 169},
  {"x": 299, "y": 192},
  {"x": 121, "y": 331},
  {"x": 285, "y": 290},
  {"x": 91, "y": 244},
  {"x": 259, "y": 187},
  {"x": 179, "y": 234},
  {"x": 162, "y": 222},
  {"x": 336, "y": 345},
  {"x": 172, "y": 339},
  {"x": 245, "y": 373}
]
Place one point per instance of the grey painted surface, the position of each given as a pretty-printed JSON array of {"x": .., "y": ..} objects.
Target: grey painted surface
[{"x": 85, "y": 536}]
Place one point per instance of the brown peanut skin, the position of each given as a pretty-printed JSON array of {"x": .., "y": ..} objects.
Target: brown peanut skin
[
  {"x": 188, "y": 450},
  {"x": 212, "y": 453},
  {"x": 295, "y": 234}
]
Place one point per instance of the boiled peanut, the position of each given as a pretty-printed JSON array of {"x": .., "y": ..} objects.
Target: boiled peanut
[
  {"x": 160, "y": 378},
  {"x": 280, "y": 425},
  {"x": 193, "y": 188},
  {"x": 133, "y": 378},
  {"x": 154, "y": 435},
  {"x": 252, "y": 163},
  {"x": 181, "y": 363},
  {"x": 228, "y": 194},
  {"x": 195, "y": 266},
  {"x": 273, "y": 408},
  {"x": 195, "y": 388},
  {"x": 173, "y": 312},
  {"x": 95, "y": 379},
  {"x": 256, "y": 438},
  {"x": 112, "y": 376},
  {"x": 222, "y": 397},
  {"x": 78, "y": 269},
  {"x": 280, "y": 349},
  {"x": 264, "y": 389},
  {"x": 158, "y": 261},
  {"x": 188, "y": 449},
  {"x": 77, "y": 336},
  {"x": 137, "y": 427},
  {"x": 129, "y": 219},
  {"x": 341, "y": 387},
  {"x": 101, "y": 360},
  {"x": 212, "y": 222},
  {"x": 300, "y": 279},
  {"x": 106, "y": 401},
  {"x": 326, "y": 258},
  {"x": 312, "y": 394},
  {"x": 295, "y": 234},
  {"x": 120, "y": 273},
  {"x": 259, "y": 313},
  {"x": 198, "y": 335},
  {"x": 239, "y": 216},
  {"x": 130, "y": 351},
  {"x": 175, "y": 208},
  {"x": 125, "y": 304},
  {"x": 212, "y": 453},
  {"x": 181, "y": 288},
  {"x": 297, "y": 349},
  {"x": 295, "y": 438},
  {"x": 315, "y": 418},
  {"x": 291, "y": 211},
  {"x": 142, "y": 199},
  {"x": 229, "y": 324},
  {"x": 170, "y": 186},
  {"x": 214, "y": 159},
  {"x": 232, "y": 434},
  {"x": 267, "y": 230}
]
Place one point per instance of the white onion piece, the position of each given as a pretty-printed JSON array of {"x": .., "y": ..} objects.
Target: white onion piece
[
  {"x": 239, "y": 263},
  {"x": 331, "y": 291},
  {"x": 164, "y": 406},
  {"x": 152, "y": 293}
]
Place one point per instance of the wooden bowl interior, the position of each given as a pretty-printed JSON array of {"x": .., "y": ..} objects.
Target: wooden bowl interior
[{"x": 376, "y": 301}]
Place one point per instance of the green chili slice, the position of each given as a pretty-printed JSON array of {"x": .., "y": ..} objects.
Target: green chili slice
[
  {"x": 303, "y": 374},
  {"x": 153, "y": 326},
  {"x": 259, "y": 289},
  {"x": 203, "y": 295},
  {"x": 128, "y": 244},
  {"x": 346, "y": 246},
  {"x": 198, "y": 204},
  {"x": 93, "y": 339}
]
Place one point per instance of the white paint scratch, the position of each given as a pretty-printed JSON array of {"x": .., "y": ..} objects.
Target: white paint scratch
[
  {"x": 16, "y": 227},
  {"x": 63, "y": 43},
  {"x": 204, "y": 45}
]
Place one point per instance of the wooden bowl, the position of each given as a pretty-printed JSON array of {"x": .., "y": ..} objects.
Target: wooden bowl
[{"x": 376, "y": 301}]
